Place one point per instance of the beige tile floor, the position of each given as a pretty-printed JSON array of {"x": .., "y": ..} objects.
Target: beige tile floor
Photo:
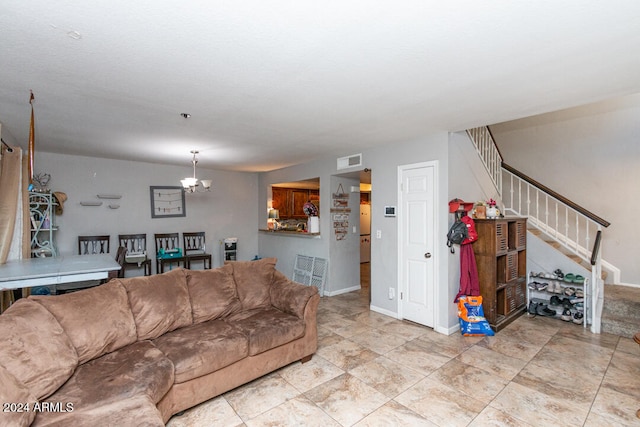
[{"x": 373, "y": 370}]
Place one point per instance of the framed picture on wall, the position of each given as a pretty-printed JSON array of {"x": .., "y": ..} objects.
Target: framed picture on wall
[{"x": 167, "y": 202}]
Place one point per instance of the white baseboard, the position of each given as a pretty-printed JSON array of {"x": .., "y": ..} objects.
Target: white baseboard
[
  {"x": 630, "y": 285},
  {"x": 383, "y": 311},
  {"x": 448, "y": 331},
  {"x": 341, "y": 291}
]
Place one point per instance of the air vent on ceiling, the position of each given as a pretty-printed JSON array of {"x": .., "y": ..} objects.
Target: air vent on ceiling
[{"x": 350, "y": 161}]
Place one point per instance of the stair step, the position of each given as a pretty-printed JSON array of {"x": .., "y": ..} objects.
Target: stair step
[
  {"x": 620, "y": 326},
  {"x": 621, "y": 310}
]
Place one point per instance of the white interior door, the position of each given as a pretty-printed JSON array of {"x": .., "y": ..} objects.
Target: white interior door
[{"x": 417, "y": 225}]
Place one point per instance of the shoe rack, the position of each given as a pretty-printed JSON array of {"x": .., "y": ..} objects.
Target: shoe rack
[
  {"x": 560, "y": 296},
  {"x": 501, "y": 257}
]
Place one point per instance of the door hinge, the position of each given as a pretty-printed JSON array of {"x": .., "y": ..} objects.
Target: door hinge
[{"x": 401, "y": 294}]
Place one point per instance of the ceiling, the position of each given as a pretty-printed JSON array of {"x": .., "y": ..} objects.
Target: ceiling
[{"x": 274, "y": 83}]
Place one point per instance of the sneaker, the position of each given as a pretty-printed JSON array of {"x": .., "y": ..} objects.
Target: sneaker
[
  {"x": 566, "y": 315},
  {"x": 543, "y": 310},
  {"x": 555, "y": 300},
  {"x": 578, "y": 318},
  {"x": 541, "y": 286},
  {"x": 533, "y": 308},
  {"x": 559, "y": 274},
  {"x": 569, "y": 291}
]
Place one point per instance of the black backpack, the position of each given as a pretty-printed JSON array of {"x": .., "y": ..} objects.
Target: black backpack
[{"x": 457, "y": 233}]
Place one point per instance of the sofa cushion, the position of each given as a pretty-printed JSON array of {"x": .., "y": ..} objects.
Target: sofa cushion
[
  {"x": 267, "y": 328},
  {"x": 13, "y": 392},
  {"x": 159, "y": 303},
  {"x": 203, "y": 348},
  {"x": 253, "y": 280},
  {"x": 97, "y": 320},
  {"x": 137, "y": 370},
  {"x": 289, "y": 296},
  {"x": 35, "y": 348},
  {"x": 213, "y": 293}
]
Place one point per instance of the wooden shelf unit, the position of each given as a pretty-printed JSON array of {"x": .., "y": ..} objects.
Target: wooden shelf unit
[{"x": 501, "y": 256}]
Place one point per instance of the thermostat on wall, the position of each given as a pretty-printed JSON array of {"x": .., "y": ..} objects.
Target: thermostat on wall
[{"x": 389, "y": 211}]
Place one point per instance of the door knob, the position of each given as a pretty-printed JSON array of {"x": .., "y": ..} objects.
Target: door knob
[{"x": 427, "y": 255}]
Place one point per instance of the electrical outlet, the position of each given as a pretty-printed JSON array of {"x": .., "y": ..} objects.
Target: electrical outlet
[
  {"x": 378, "y": 234},
  {"x": 392, "y": 293}
]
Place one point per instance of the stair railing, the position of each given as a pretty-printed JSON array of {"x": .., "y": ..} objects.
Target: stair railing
[
  {"x": 489, "y": 153},
  {"x": 568, "y": 223}
]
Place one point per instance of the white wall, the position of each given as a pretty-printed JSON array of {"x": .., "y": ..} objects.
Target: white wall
[
  {"x": 229, "y": 210},
  {"x": 383, "y": 162},
  {"x": 469, "y": 181},
  {"x": 591, "y": 155}
]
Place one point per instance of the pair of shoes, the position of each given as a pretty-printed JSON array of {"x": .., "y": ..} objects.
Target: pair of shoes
[
  {"x": 543, "y": 310},
  {"x": 555, "y": 300},
  {"x": 578, "y": 318},
  {"x": 569, "y": 291},
  {"x": 555, "y": 288},
  {"x": 578, "y": 279},
  {"x": 559, "y": 273},
  {"x": 539, "y": 286},
  {"x": 566, "y": 315}
]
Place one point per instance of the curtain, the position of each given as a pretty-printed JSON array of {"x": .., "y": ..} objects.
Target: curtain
[{"x": 14, "y": 210}]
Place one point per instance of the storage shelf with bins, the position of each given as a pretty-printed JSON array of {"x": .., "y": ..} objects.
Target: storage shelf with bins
[
  {"x": 501, "y": 257},
  {"x": 43, "y": 218},
  {"x": 577, "y": 293}
]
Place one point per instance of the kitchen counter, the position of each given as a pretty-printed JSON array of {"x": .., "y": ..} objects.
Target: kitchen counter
[{"x": 286, "y": 233}]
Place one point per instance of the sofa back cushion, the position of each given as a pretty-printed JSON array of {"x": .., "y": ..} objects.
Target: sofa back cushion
[
  {"x": 35, "y": 349},
  {"x": 253, "y": 281},
  {"x": 159, "y": 303},
  {"x": 213, "y": 293},
  {"x": 97, "y": 320}
]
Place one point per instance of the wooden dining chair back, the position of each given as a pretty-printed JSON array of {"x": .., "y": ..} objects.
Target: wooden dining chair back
[
  {"x": 90, "y": 245},
  {"x": 166, "y": 245},
  {"x": 136, "y": 244},
  {"x": 195, "y": 249}
]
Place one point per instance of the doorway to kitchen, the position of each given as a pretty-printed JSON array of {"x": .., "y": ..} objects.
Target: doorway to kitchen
[{"x": 360, "y": 182}]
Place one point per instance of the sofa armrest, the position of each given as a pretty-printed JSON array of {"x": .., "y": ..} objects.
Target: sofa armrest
[{"x": 289, "y": 296}]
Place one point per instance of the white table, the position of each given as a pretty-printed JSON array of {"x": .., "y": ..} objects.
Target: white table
[{"x": 27, "y": 273}]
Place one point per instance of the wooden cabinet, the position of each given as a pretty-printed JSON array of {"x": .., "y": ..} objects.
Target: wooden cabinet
[
  {"x": 501, "y": 256},
  {"x": 290, "y": 201}
]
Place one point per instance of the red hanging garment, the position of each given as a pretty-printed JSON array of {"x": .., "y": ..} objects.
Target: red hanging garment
[{"x": 469, "y": 282}]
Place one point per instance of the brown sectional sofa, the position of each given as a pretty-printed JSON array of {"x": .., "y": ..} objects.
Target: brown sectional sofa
[{"x": 136, "y": 351}]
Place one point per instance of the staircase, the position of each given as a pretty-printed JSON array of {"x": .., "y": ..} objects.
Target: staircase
[{"x": 568, "y": 227}]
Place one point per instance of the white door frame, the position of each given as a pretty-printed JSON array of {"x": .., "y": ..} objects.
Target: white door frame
[{"x": 436, "y": 248}]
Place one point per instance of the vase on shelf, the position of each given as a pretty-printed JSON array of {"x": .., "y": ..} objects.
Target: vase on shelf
[{"x": 492, "y": 212}]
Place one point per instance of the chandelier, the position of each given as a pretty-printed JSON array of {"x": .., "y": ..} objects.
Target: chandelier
[{"x": 191, "y": 184}]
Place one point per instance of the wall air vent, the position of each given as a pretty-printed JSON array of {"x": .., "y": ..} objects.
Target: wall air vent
[{"x": 350, "y": 161}]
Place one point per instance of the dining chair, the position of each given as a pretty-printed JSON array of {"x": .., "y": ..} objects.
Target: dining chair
[
  {"x": 195, "y": 250},
  {"x": 121, "y": 253},
  {"x": 136, "y": 245},
  {"x": 89, "y": 245},
  {"x": 168, "y": 251}
]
